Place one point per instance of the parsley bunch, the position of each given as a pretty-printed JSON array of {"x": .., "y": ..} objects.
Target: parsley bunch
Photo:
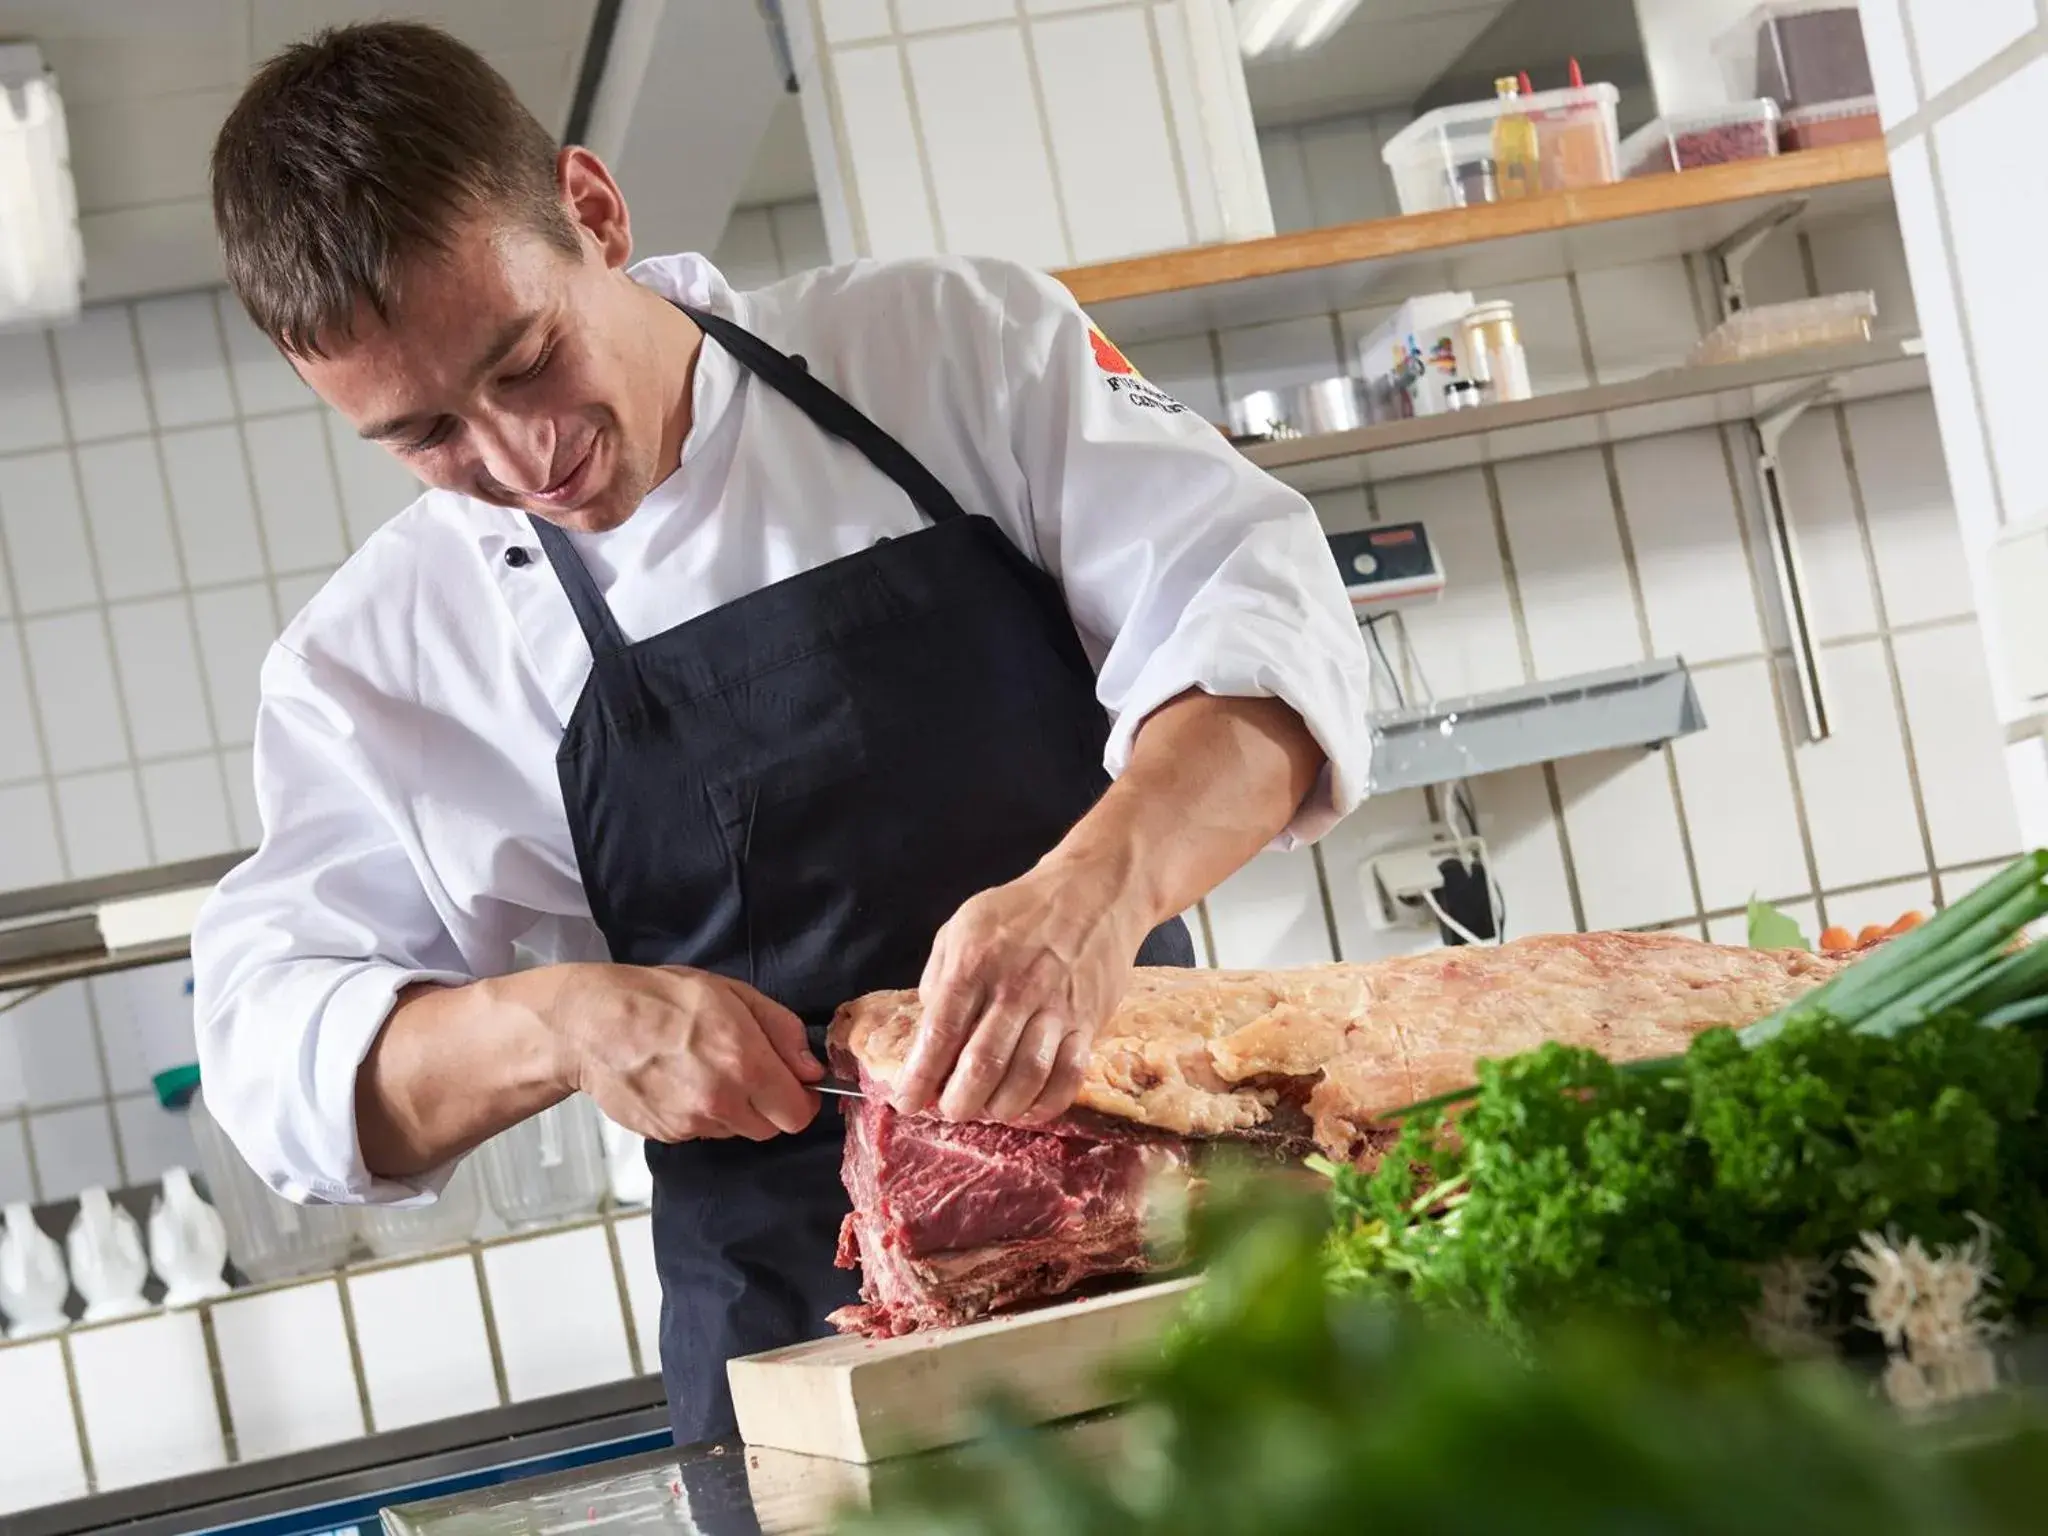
[
  {"x": 1903, "y": 1094},
  {"x": 1282, "y": 1409}
]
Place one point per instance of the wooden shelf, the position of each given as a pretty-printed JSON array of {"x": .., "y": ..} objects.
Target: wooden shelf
[
  {"x": 1381, "y": 261},
  {"x": 1670, "y": 400}
]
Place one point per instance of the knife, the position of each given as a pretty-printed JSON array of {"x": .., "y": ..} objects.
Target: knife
[{"x": 843, "y": 1087}]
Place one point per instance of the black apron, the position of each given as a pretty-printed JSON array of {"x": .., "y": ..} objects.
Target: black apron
[{"x": 797, "y": 790}]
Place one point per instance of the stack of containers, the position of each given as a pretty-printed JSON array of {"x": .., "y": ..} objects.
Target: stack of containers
[
  {"x": 1513, "y": 146},
  {"x": 1808, "y": 57}
]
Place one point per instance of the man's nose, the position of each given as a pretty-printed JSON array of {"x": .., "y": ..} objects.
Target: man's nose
[{"x": 518, "y": 453}]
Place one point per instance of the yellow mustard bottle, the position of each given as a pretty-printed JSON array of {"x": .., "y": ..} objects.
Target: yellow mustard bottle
[{"x": 1517, "y": 159}]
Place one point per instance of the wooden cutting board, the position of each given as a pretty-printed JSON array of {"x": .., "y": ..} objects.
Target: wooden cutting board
[{"x": 864, "y": 1400}]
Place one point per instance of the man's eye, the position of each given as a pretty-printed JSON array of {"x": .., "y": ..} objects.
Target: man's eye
[
  {"x": 433, "y": 439},
  {"x": 539, "y": 365}
]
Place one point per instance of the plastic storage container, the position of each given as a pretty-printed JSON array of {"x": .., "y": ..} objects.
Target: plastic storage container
[
  {"x": 269, "y": 1238},
  {"x": 1684, "y": 141},
  {"x": 548, "y": 1168},
  {"x": 1799, "y": 53},
  {"x": 1839, "y": 122},
  {"x": 449, "y": 1222},
  {"x": 1447, "y": 158},
  {"x": 1835, "y": 319}
]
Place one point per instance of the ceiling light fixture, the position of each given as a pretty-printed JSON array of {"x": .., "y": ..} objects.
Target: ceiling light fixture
[
  {"x": 42, "y": 262},
  {"x": 1287, "y": 26}
]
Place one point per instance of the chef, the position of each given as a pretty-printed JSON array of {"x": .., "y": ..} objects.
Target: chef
[{"x": 746, "y": 652}]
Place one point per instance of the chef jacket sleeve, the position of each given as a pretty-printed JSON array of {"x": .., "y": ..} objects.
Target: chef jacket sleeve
[
  {"x": 300, "y": 951},
  {"x": 1185, "y": 566}
]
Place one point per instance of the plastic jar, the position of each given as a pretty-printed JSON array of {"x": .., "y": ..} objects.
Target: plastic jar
[
  {"x": 448, "y": 1223},
  {"x": 269, "y": 1237},
  {"x": 548, "y": 1168},
  {"x": 1493, "y": 351}
]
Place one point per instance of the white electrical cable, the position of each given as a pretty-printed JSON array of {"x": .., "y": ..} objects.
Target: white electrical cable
[{"x": 1453, "y": 924}]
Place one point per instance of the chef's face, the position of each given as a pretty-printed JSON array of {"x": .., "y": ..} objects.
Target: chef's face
[{"x": 516, "y": 373}]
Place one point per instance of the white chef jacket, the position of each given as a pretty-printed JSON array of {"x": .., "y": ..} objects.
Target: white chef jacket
[{"x": 413, "y": 826}]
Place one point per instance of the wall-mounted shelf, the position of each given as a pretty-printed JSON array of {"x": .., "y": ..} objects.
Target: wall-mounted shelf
[
  {"x": 1381, "y": 261},
  {"x": 1670, "y": 400},
  {"x": 1644, "y": 705},
  {"x": 57, "y": 933}
]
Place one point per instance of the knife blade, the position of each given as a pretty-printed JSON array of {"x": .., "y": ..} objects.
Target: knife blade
[{"x": 842, "y": 1087}]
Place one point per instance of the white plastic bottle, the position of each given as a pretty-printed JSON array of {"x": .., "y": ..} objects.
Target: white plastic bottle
[
  {"x": 188, "y": 1242},
  {"x": 33, "y": 1280},
  {"x": 108, "y": 1265}
]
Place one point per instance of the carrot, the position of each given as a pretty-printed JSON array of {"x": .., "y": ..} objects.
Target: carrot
[
  {"x": 1871, "y": 933},
  {"x": 1837, "y": 939},
  {"x": 1905, "y": 924}
]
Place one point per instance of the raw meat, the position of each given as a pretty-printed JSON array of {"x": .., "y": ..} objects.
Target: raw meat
[{"x": 951, "y": 1222}]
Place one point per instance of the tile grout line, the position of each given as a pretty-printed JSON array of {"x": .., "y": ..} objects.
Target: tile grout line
[
  {"x": 355, "y": 1352},
  {"x": 1208, "y": 932},
  {"x": 1322, "y": 874},
  {"x": 1617, "y": 506},
  {"x": 1183, "y": 179},
  {"x": 115, "y": 1140},
  {"x": 611, "y": 1243},
  {"x": 1039, "y": 111},
  {"x": 229, "y": 1439},
  {"x": 201, "y": 663},
  {"x": 78, "y": 1426},
  {"x": 1893, "y": 676},
  {"x": 835, "y": 111},
  {"x": 1512, "y": 586},
  {"x": 243, "y": 417},
  {"x": 929, "y": 179},
  {"x": 115, "y": 439},
  {"x": 966, "y": 28},
  {"x": 483, "y": 1293},
  {"x": 10, "y": 575},
  {"x": 1976, "y": 82}
]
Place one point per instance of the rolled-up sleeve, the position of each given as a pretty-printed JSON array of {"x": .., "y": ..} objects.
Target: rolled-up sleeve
[
  {"x": 1190, "y": 567},
  {"x": 299, "y": 953}
]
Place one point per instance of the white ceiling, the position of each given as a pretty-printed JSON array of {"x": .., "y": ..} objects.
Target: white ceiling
[{"x": 146, "y": 84}]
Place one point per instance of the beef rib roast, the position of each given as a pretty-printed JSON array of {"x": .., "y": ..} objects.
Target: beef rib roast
[{"x": 953, "y": 1221}]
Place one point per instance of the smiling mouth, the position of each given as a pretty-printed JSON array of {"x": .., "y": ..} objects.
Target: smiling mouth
[{"x": 565, "y": 491}]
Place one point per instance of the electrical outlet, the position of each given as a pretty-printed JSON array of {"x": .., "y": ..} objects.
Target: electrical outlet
[{"x": 1394, "y": 881}]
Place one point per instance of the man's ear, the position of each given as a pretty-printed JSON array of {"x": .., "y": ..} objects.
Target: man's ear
[{"x": 595, "y": 204}]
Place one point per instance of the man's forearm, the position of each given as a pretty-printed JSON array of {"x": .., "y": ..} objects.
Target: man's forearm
[
  {"x": 1210, "y": 782},
  {"x": 453, "y": 1066}
]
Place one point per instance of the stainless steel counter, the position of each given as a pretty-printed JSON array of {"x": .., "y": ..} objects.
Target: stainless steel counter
[{"x": 725, "y": 1489}]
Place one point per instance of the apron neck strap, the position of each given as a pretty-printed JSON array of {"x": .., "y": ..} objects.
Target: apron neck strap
[
  {"x": 592, "y": 612},
  {"x": 834, "y": 415}
]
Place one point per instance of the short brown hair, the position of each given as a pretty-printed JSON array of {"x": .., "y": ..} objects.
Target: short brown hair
[{"x": 356, "y": 151}]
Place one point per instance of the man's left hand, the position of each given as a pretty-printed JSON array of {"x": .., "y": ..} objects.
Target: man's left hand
[{"x": 1018, "y": 983}]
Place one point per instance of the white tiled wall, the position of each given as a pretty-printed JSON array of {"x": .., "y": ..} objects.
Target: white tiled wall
[
  {"x": 306, "y": 1363},
  {"x": 1057, "y": 134},
  {"x": 1954, "y": 86},
  {"x": 158, "y": 505},
  {"x": 1592, "y": 557}
]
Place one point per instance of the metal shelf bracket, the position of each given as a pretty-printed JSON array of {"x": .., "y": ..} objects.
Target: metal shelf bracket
[
  {"x": 1768, "y": 429},
  {"x": 1731, "y": 255}
]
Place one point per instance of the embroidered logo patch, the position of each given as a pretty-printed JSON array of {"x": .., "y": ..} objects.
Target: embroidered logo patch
[
  {"x": 1125, "y": 382},
  {"x": 1107, "y": 358}
]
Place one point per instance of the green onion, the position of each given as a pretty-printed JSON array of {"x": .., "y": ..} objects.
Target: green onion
[
  {"x": 2016, "y": 1013},
  {"x": 1849, "y": 991},
  {"x": 1927, "y": 999},
  {"x": 2013, "y": 978},
  {"x": 1981, "y": 922}
]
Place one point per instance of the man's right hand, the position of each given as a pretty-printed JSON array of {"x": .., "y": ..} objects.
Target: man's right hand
[{"x": 682, "y": 1055}]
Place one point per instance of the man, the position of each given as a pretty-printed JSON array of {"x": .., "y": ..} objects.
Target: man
[{"x": 749, "y": 652}]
